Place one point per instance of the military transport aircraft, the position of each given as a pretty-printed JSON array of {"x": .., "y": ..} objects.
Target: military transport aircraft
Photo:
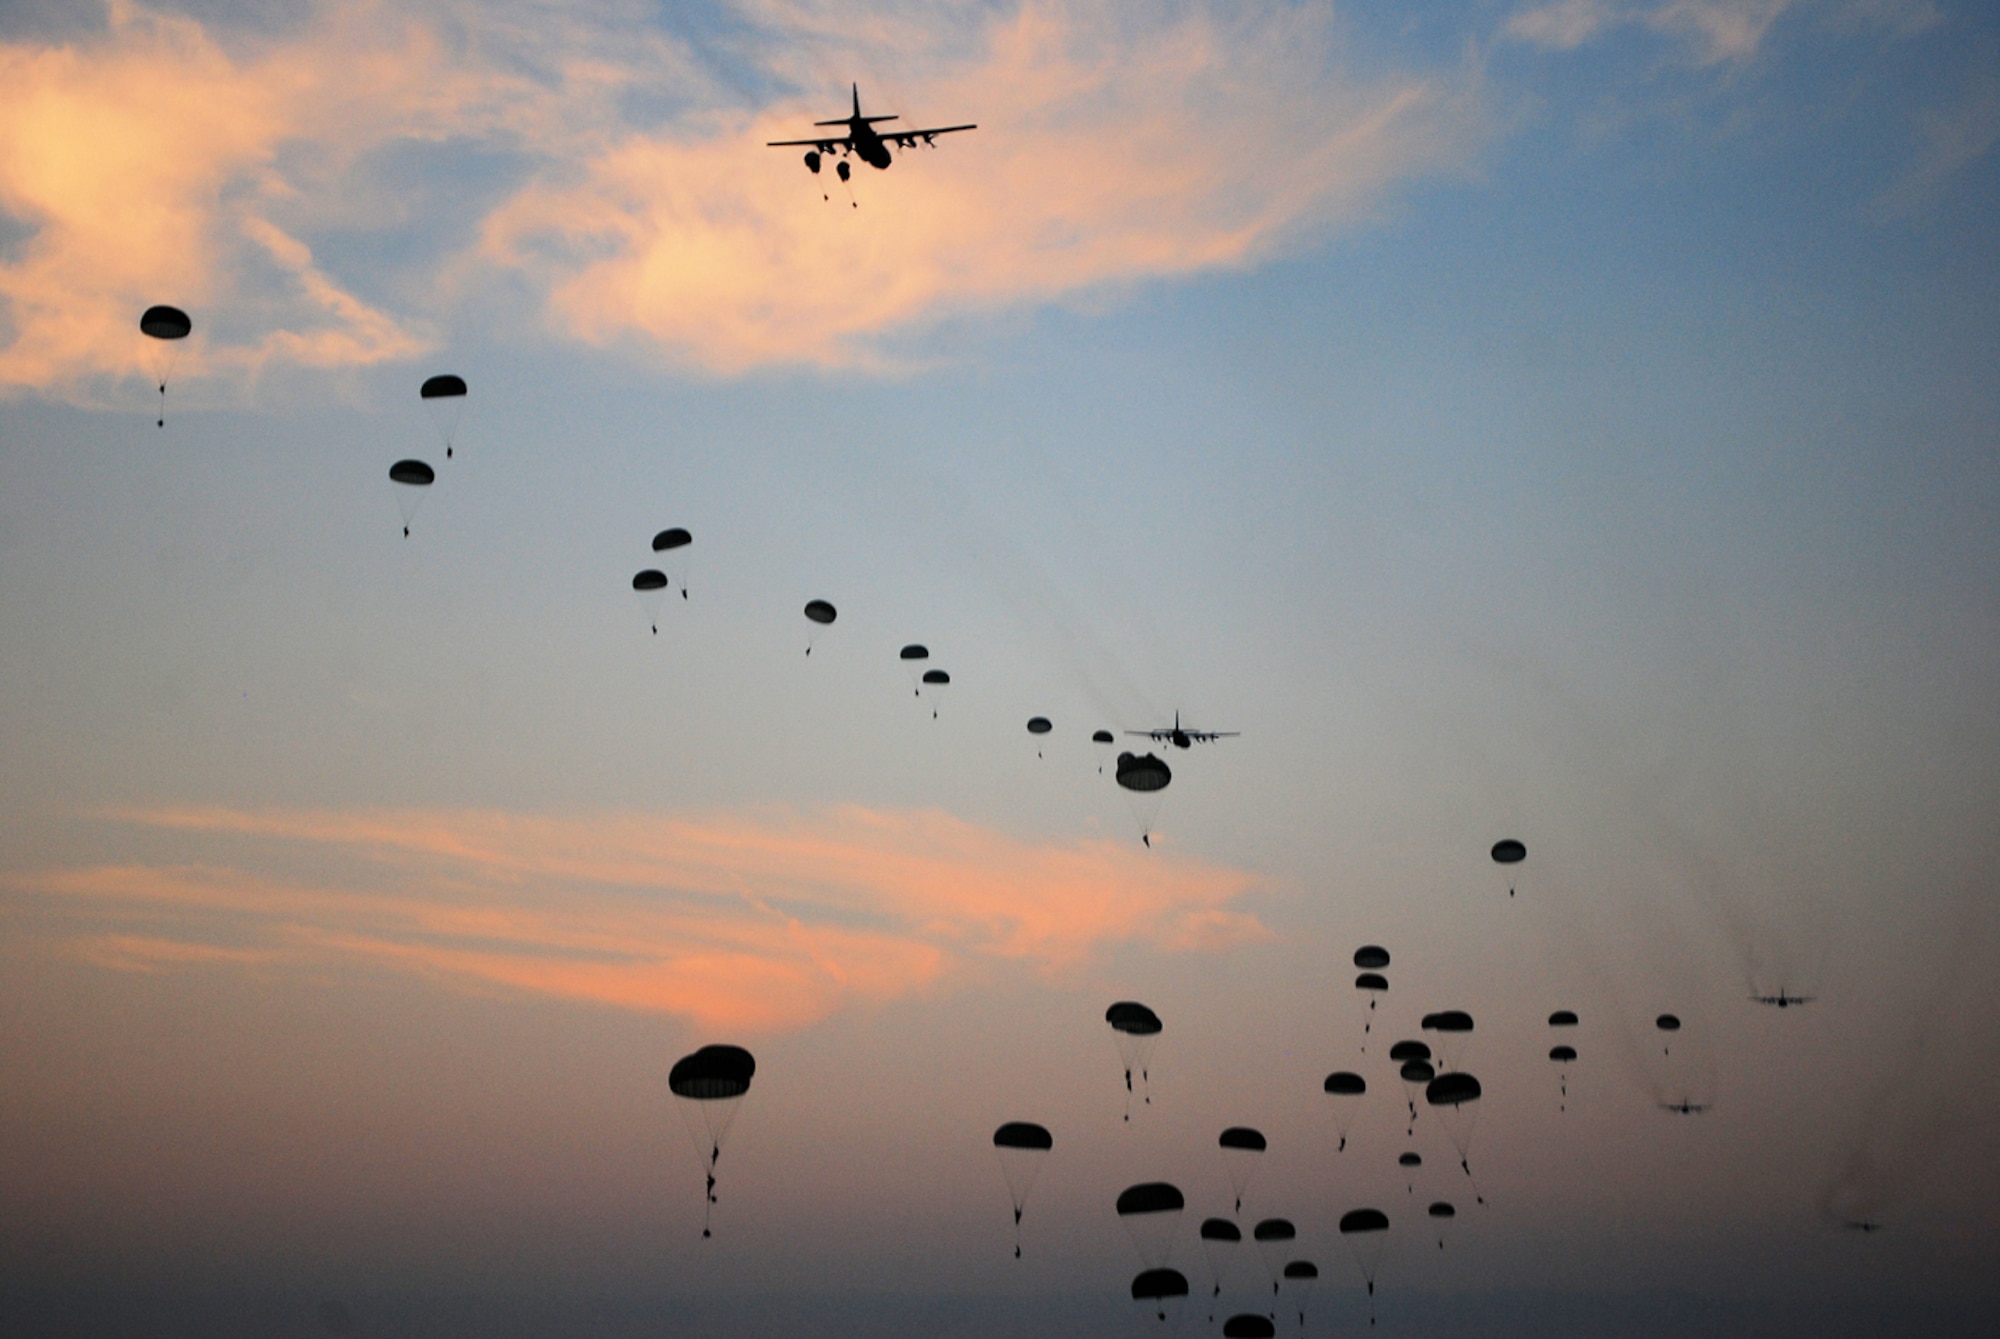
[
  {"x": 1782, "y": 1000},
  {"x": 862, "y": 140},
  {"x": 1180, "y": 738}
]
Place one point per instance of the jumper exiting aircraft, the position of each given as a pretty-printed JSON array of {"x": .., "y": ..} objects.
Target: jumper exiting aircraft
[{"x": 862, "y": 140}]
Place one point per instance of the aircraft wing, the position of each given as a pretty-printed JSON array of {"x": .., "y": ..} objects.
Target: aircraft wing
[
  {"x": 1155, "y": 735},
  {"x": 823, "y": 145},
  {"x": 1205, "y": 735},
  {"x": 908, "y": 138}
]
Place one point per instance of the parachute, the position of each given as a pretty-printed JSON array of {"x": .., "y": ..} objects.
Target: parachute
[
  {"x": 1669, "y": 1024},
  {"x": 1375, "y": 984},
  {"x": 1346, "y": 1089},
  {"x": 1441, "y": 1215},
  {"x": 651, "y": 585},
  {"x": 1143, "y": 777},
  {"x": 673, "y": 541},
  {"x": 1682, "y": 1076},
  {"x": 1134, "y": 1027},
  {"x": 1159, "y": 1287},
  {"x": 913, "y": 657},
  {"x": 413, "y": 479},
  {"x": 1150, "y": 1212},
  {"x": 1022, "y": 1147},
  {"x": 820, "y": 613},
  {"x": 1371, "y": 957},
  {"x": 711, "y": 1084},
  {"x": 1416, "y": 1075},
  {"x": 1220, "y": 1239},
  {"x": 1564, "y": 1056},
  {"x": 1102, "y": 737},
  {"x": 1250, "y": 1325},
  {"x": 165, "y": 328},
  {"x": 1241, "y": 1147},
  {"x": 1274, "y": 1238},
  {"x": 1366, "y": 1232},
  {"x": 1454, "y": 1027},
  {"x": 1302, "y": 1275},
  {"x": 1409, "y": 1050},
  {"x": 1456, "y": 1096},
  {"x": 936, "y": 680},
  {"x": 1039, "y": 725},
  {"x": 1509, "y": 852},
  {"x": 1562, "y": 1018},
  {"x": 444, "y": 397}
]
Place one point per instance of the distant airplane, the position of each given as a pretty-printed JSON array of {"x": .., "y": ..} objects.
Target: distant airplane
[
  {"x": 1861, "y": 1225},
  {"x": 1685, "y": 1108},
  {"x": 1782, "y": 1000},
  {"x": 862, "y": 140},
  {"x": 1180, "y": 738}
]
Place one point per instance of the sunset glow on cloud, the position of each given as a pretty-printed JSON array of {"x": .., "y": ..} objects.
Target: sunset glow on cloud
[{"x": 762, "y": 920}]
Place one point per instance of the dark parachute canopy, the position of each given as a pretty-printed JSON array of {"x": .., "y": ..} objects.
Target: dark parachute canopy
[
  {"x": 1509, "y": 852},
  {"x": 1345, "y": 1088},
  {"x": 914, "y": 651},
  {"x": 1455, "y": 1094},
  {"x": 1365, "y": 1231},
  {"x": 650, "y": 584},
  {"x": 412, "y": 472},
  {"x": 936, "y": 676},
  {"x": 1103, "y": 737},
  {"x": 1440, "y": 1209},
  {"x": 674, "y": 538},
  {"x": 441, "y": 387},
  {"x": 1409, "y": 1050},
  {"x": 1249, "y": 1325},
  {"x": 1023, "y": 1134},
  {"x": 1418, "y": 1071},
  {"x": 821, "y": 612},
  {"x": 1220, "y": 1229},
  {"x": 1450, "y": 1090},
  {"x": 1562, "y": 1018},
  {"x": 1562, "y": 1055},
  {"x": 1039, "y": 725},
  {"x": 1441, "y": 1213},
  {"x": 1371, "y": 981},
  {"x": 1134, "y": 1027},
  {"x": 1020, "y": 1146},
  {"x": 671, "y": 541},
  {"x": 1151, "y": 1285},
  {"x": 1243, "y": 1137},
  {"x": 1149, "y": 1212},
  {"x": 444, "y": 397},
  {"x": 166, "y": 326},
  {"x": 165, "y": 323},
  {"x": 1130, "y": 1016},
  {"x": 1363, "y": 1220},
  {"x": 1371, "y": 957},
  {"x": 1301, "y": 1269},
  {"x": 1451, "y": 1020},
  {"x": 1410, "y": 1160},
  {"x": 1274, "y": 1229},
  {"x": 711, "y": 1082},
  {"x": 1241, "y": 1147},
  {"x": 1143, "y": 773},
  {"x": 1346, "y": 1083},
  {"x": 1667, "y": 1023},
  {"x": 650, "y": 579}
]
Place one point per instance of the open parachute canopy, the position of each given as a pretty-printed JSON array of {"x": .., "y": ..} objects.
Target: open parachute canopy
[
  {"x": 1667, "y": 1023},
  {"x": 1450, "y": 1020},
  {"x": 1363, "y": 1220},
  {"x": 1371, "y": 957},
  {"x": 1275, "y": 1229},
  {"x": 1562, "y": 1055},
  {"x": 442, "y": 387},
  {"x": 1023, "y": 1134},
  {"x": 165, "y": 323},
  {"x": 819, "y": 611},
  {"x": 1418, "y": 1071},
  {"x": 1451, "y": 1090},
  {"x": 714, "y": 1073},
  {"x": 1371, "y": 981},
  {"x": 1301, "y": 1269},
  {"x": 1220, "y": 1229},
  {"x": 1440, "y": 1209},
  {"x": 1103, "y": 737},
  {"x": 936, "y": 677},
  {"x": 1410, "y": 1160},
  {"x": 914, "y": 651},
  {"x": 412, "y": 472},
  {"x": 650, "y": 579},
  {"x": 1509, "y": 852},
  {"x": 1243, "y": 1137},
  {"x": 1249, "y": 1325},
  {"x": 675, "y": 538},
  {"x": 1143, "y": 772},
  {"x": 1039, "y": 725},
  {"x": 1150, "y": 1197},
  {"x": 1132, "y": 1017},
  {"x": 1153, "y": 1284},
  {"x": 1409, "y": 1050},
  {"x": 1562, "y": 1018},
  {"x": 1345, "y": 1083}
]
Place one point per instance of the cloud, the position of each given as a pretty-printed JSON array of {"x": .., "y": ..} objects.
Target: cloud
[
  {"x": 758, "y": 920},
  {"x": 1110, "y": 151},
  {"x": 1950, "y": 140},
  {"x": 1715, "y": 30},
  {"x": 1564, "y": 25}
]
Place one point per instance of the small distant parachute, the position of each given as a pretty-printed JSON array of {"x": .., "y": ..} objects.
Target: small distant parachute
[
  {"x": 1441, "y": 1215},
  {"x": 1371, "y": 957},
  {"x": 1456, "y": 1096},
  {"x": 1241, "y": 1149},
  {"x": 1102, "y": 737},
  {"x": 413, "y": 479},
  {"x": 1143, "y": 777},
  {"x": 1366, "y": 1232},
  {"x": 1346, "y": 1088},
  {"x": 1302, "y": 1275},
  {"x": 913, "y": 657},
  {"x": 711, "y": 1084},
  {"x": 935, "y": 679},
  {"x": 821, "y": 613},
  {"x": 1150, "y": 1212},
  {"x": 1564, "y": 1056},
  {"x": 1562, "y": 1018},
  {"x": 1159, "y": 1287},
  {"x": 651, "y": 585},
  {"x": 444, "y": 397},
  {"x": 1134, "y": 1027},
  {"x": 1509, "y": 852},
  {"x": 915, "y": 651},
  {"x": 1375, "y": 984},
  {"x": 1453, "y": 1027},
  {"x": 1667, "y": 1023},
  {"x": 1220, "y": 1239},
  {"x": 1249, "y": 1325},
  {"x": 1022, "y": 1147},
  {"x": 1038, "y": 726},
  {"x": 1274, "y": 1238},
  {"x": 165, "y": 328},
  {"x": 1409, "y": 1050},
  {"x": 674, "y": 540},
  {"x": 1410, "y": 1162}
]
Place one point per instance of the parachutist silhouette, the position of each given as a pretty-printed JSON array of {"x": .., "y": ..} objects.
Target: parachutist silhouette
[
  {"x": 406, "y": 529},
  {"x": 1147, "y": 838}
]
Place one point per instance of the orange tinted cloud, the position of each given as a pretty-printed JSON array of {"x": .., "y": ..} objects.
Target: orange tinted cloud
[
  {"x": 761, "y": 920},
  {"x": 1112, "y": 148}
]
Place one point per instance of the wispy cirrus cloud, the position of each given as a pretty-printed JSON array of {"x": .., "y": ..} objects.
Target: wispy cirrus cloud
[{"x": 758, "y": 920}]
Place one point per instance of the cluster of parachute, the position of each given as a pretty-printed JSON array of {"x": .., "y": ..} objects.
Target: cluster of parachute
[
  {"x": 444, "y": 397},
  {"x": 651, "y": 584}
]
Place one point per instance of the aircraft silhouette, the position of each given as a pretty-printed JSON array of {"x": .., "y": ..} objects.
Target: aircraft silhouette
[
  {"x": 1685, "y": 1107},
  {"x": 1861, "y": 1225},
  {"x": 862, "y": 140},
  {"x": 1782, "y": 1000},
  {"x": 1180, "y": 738}
]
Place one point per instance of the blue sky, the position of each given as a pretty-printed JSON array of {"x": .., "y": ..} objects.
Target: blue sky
[{"x": 1573, "y": 422}]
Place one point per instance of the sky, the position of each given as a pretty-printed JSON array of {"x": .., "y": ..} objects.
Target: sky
[{"x": 1571, "y": 421}]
